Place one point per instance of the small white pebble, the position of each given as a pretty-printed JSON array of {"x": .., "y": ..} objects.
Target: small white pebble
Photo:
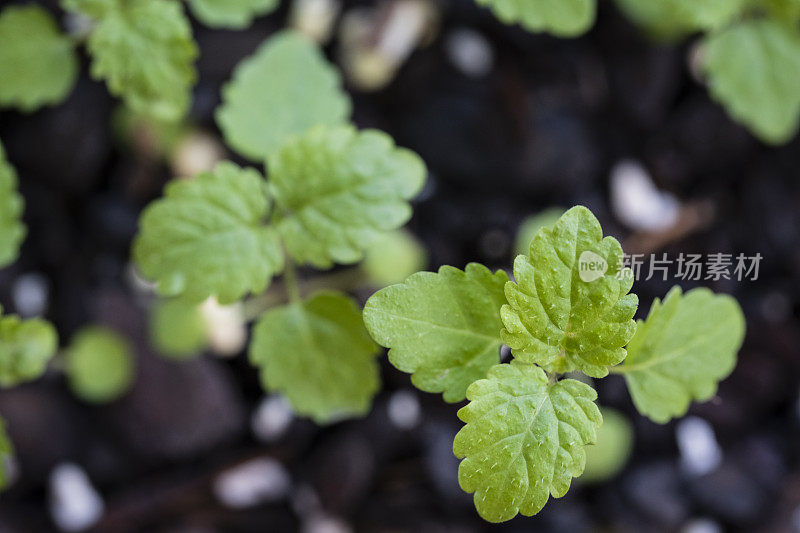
[
  {"x": 271, "y": 419},
  {"x": 74, "y": 503},
  {"x": 404, "y": 410},
  {"x": 30, "y": 293},
  {"x": 321, "y": 523},
  {"x": 226, "y": 327},
  {"x": 197, "y": 152},
  {"x": 470, "y": 52},
  {"x": 252, "y": 483},
  {"x": 314, "y": 18},
  {"x": 637, "y": 202},
  {"x": 701, "y": 525},
  {"x": 700, "y": 453}
]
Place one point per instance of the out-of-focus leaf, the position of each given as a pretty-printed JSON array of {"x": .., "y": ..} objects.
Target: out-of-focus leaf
[
  {"x": 230, "y": 14},
  {"x": 12, "y": 230},
  {"x": 99, "y": 365}
]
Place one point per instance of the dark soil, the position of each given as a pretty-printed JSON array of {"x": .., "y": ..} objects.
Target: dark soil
[{"x": 543, "y": 128}]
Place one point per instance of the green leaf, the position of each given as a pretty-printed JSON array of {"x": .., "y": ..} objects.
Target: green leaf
[
  {"x": 177, "y": 329},
  {"x": 608, "y": 455},
  {"x": 26, "y": 347},
  {"x": 99, "y": 365},
  {"x": 12, "y": 230},
  {"x": 338, "y": 189},
  {"x": 787, "y": 11},
  {"x": 145, "y": 52},
  {"x": 670, "y": 20},
  {"x": 393, "y": 257},
  {"x": 6, "y": 453},
  {"x": 708, "y": 14},
  {"x": 38, "y": 64},
  {"x": 318, "y": 354},
  {"x": 570, "y": 308},
  {"x": 687, "y": 344},
  {"x": 524, "y": 439},
  {"x": 284, "y": 89},
  {"x": 230, "y": 14},
  {"x": 207, "y": 237},
  {"x": 443, "y": 328},
  {"x": 753, "y": 70},
  {"x": 563, "y": 18}
]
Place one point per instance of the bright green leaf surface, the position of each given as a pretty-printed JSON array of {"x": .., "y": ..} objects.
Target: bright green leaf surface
[
  {"x": 12, "y": 230},
  {"x": 338, "y": 189},
  {"x": 231, "y": 14},
  {"x": 99, "y": 365},
  {"x": 754, "y": 71},
  {"x": 564, "y": 18},
  {"x": 524, "y": 439},
  {"x": 207, "y": 237},
  {"x": 687, "y": 344},
  {"x": 177, "y": 329},
  {"x": 38, "y": 65},
  {"x": 145, "y": 52},
  {"x": 26, "y": 347},
  {"x": 6, "y": 452},
  {"x": 443, "y": 328},
  {"x": 606, "y": 457},
  {"x": 319, "y": 355},
  {"x": 284, "y": 89},
  {"x": 558, "y": 315}
]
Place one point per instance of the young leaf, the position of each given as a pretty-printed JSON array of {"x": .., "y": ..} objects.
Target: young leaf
[
  {"x": 207, "y": 237},
  {"x": 284, "y": 89},
  {"x": 38, "y": 65},
  {"x": 12, "y": 230},
  {"x": 99, "y": 365},
  {"x": 145, "y": 52},
  {"x": 338, "y": 189},
  {"x": 6, "y": 452},
  {"x": 177, "y": 329},
  {"x": 707, "y": 14},
  {"x": 687, "y": 344},
  {"x": 393, "y": 257},
  {"x": 230, "y": 14},
  {"x": 612, "y": 448},
  {"x": 318, "y": 354},
  {"x": 26, "y": 346},
  {"x": 524, "y": 439},
  {"x": 570, "y": 308},
  {"x": 564, "y": 18},
  {"x": 443, "y": 328},
  {"x": 754, "y": 71}
]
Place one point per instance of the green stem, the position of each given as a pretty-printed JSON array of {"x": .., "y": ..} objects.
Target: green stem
[{"x": 290, "y": 281}]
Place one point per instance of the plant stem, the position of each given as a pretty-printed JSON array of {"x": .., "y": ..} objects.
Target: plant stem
[{"x": 290, "y": 281}]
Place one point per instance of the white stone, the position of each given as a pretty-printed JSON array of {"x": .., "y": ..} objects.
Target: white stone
[
  {"x": 404, "y": 410},
  {"x": 321, "y": 523},
  {"x": 74, "y": 503},
  {"x": 637, "y": 202},
  {"x": 30, "y": 293},
  {"x": 314, "y": 18},
  {"x": 252, "y": 483},
  {"x": 469, "y": 52},
  {"x": 271, "y": 418},
  {"x": 700, "y": 453},
  {"x": 226, "y": 327},
  {"x": 702, "y": 525}
]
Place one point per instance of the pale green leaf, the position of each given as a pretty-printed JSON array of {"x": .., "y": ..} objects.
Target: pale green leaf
[
  {"x": 672, "y": 19},
  {"x": 609, "y": 454},
  {"x": 531, "y": 226},
  {"x": 524, "y": 439},
  {"x": 12, "y": 230},
  {"x": 99, "y": 365},
  {"x": 687, "y": 344},
  {"x": 787, "y": 11},
  {"x": 707, "y": 14},
  {"x": 177, "y": 329},
  {"x": 563, "y": 18},
  {"x": 207, "y": 237},
  {"x": 319, "y": 355},
  {"x": 393, "y": 257},
  {"x": 570, "y": 308},
  {"x": 443, "y": 328},
  {"x": 26, "y": 347},
  {"x": 753, "y": 70},
  {"x": 230, "y": 14},
  {"x": 283, "y": 89},
  {"x": 338, "y": 189},
  {"x": 145, "y": 52},
  {"x": 6, "y": 453},
  {"x": 38, "y": 65}
]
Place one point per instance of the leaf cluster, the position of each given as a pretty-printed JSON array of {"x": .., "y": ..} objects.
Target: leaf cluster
[{"x": 526, "y": 424}]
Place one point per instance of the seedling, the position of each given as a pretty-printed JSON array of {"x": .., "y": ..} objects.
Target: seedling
[{"x": 527, "y": 423}]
